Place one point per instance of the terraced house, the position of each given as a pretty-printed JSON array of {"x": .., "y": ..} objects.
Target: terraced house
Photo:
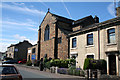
[{"x": 98, "y": 41}]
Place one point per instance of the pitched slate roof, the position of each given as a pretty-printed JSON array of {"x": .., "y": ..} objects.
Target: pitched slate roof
[
  {"x": 85, "y": 21},
  {"x": 96, "y": 25},
  {"x": 18, "y": 43},
  {"x": 68, "y": 29}
]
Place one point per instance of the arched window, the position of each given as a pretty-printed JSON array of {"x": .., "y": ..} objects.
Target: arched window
[{"x": 47, "y": 33}]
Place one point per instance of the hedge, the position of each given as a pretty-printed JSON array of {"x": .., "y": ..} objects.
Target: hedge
[
  {"x": 29, "y": 63},
  {"x": 87, "y": 63},
  {"x": 59, "y": 63},
  {"x": 90, "y": 63}
]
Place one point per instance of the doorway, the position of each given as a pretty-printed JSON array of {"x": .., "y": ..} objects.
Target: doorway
[
  {"x": 29, "y": 57},
  {"x": 112, "y": 65}
]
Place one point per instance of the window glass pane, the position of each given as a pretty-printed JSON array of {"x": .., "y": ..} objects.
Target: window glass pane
[
  {"x": 111, "y": 30},
  {"x": 46, "y": 35},
  {"x": 111, "y": 36},
  {"x": 90, "y": 56},
  {"x": 90, "y": 39},
  {"x": 8, "y": 70},
  {"x": 73, "y": 42},
  {"x": 33, "y": 50}
]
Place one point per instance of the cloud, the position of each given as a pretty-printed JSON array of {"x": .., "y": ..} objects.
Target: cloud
[
  {"x": 23, "y": 9},
  {"x": 7, "y": 40},
  {"x": 18, "y": 4},
  {"x": 17, "y": 23},
  {"x": 18, "y": 37},
  {"x": 3, "y": 46},
  {"x": 21, "y": 38},
  {"x": 14, "y": 24},
  {"x": 111, "y": 9},
  {"x": 4, "y": 43},
  {"x": 33, "y": 29}
]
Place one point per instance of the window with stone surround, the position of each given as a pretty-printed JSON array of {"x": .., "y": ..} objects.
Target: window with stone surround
[
  {"x": 74, "y": 42},
  {"x": 90, "y": 39},
  {"x": 111, "y": 35},
  {"x": 47, "y": 33}
]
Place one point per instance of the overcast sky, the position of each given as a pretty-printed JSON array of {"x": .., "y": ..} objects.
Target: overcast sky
[{"x": 20, "y": 20}]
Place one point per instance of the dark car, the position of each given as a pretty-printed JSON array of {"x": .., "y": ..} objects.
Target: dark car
[
  {"x": 9, "y": 72},
  {"x": 10, "y": 62}
]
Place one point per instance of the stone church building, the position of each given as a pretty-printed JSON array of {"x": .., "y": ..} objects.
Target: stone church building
[{"x": 53, "y": 32}]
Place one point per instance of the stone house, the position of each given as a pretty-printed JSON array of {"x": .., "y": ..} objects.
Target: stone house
[
  {"x": 18, "y": 51},
  {"x": 98, "y": 41},
  {"x": 53, "y": 32},
  {"x": 32, "y": 53}
]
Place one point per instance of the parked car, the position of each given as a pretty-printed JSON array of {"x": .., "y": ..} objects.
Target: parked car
[
  {"x": 9, "y": 72},
  {"x": 22, "y": 61},
  {"x": 10, "y": 62},
  {"x": 7, "y": 58}
]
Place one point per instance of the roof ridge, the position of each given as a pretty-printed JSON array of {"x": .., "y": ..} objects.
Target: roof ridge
[{"x": 61, "y": 16}]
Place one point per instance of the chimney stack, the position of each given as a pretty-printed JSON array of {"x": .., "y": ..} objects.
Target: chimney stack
[
  {"x": 96, "y": 19},
  {"x": 118, "y": 10}
]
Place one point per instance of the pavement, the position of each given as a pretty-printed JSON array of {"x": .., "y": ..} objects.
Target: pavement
[{"x": 31, "y": 67}]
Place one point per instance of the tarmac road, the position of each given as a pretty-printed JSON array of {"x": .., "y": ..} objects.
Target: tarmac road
[{"x": 33, "y": 74}]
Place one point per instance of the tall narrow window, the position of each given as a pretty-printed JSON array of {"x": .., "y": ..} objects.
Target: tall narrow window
[
  {"x": 73, "y": 42},
  {"x": 111, "y": 35},
  {"x": 90, "y": 39},
  {"x": 33, "y": 50},
  {"x": 47, "y": 33}
]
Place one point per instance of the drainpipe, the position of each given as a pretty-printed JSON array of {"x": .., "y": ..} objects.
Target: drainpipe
[
  {"x": 39, "y": 38},
  {"x": 99, "y": 43},
  {"x": 96, "y": 19}
]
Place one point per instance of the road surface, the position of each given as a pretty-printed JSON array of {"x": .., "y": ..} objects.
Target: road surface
[{"x": 33, "y": 74}]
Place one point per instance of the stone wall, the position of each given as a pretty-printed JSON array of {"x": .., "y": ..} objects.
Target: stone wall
[
  {"x": 57, "y": 30},
  {"x": 47, "y": 47}
]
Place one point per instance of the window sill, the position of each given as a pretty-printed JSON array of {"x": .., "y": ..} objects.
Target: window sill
[
  {"x": 74, "y": 48},
  {"x": 109, "y": 44},
  {"x": 89, "y": 46}
]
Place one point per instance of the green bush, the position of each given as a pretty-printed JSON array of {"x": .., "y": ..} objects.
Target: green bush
[
  {"x": 70, "y": 71},
  {"x": 48, "y": 64},
  {"x": 87, "y": 64},
  {"x": 59, "y": 63},
  {"x": 90, "y": 63},
  {"x": 102, "y": 66},
  {"x": 36, "y": 63},
  {"x": 77, "y": 72},
  {"x": 29, "y": 63}
]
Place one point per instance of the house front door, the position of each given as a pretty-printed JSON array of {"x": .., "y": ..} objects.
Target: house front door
[{"x": 112, "y": 65}]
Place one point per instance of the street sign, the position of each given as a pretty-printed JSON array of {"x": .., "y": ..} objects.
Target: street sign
[{"x": 33, "y": 57}]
